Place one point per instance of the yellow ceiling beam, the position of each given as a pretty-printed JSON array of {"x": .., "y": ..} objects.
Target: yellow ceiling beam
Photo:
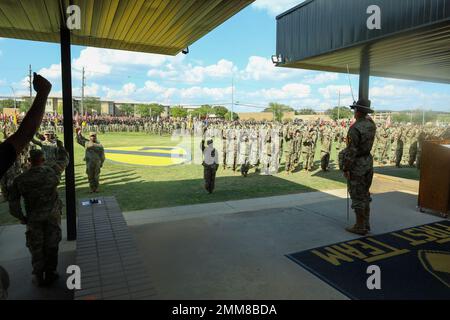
[{"x": 157, "y": 26}]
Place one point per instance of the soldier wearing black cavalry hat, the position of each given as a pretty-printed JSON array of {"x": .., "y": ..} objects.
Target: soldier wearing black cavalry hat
[{"x": 357, "y": 164}]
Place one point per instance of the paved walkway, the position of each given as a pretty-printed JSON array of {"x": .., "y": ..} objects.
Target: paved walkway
[
  {"x": 382, "y": 184},
  {"x": 233, "y": 249},
  {"x": 236, "y": 249}
]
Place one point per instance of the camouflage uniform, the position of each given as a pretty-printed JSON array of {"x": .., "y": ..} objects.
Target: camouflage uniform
[
  {"x": 254, "y": 148},
  {"x": 49, "y": 148},
  {"x": 224, "y": 148},
  {"x": 266, "y": 153},
  {"x": 231, "y": 148},
  {"x": 420, "y": 142},
  {"x": 38, "y": 187},
  {"x": 399, "y": 148},
  {"x": 94, "y": 157},
  {"x": 298, "y": 146},
  {"x": 244, "y": 155},
  {"x": 210, "y": 165},
  {"x": 340, "y": 139},
  {"x": 308, "y": 149},
  {"x": 289, "y": 152},
  {"x": 275, "y": 153},
  {"x": 327, "y": 138},
  {"x": 413, "y": 149},
  {"x": 358, "y": 162},
  {"x": 7, "y": 180}
]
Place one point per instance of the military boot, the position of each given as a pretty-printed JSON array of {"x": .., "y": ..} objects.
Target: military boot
[
  {"x": 367, "y": 218},
  {"x": 38, "y": 279},
  {"x": 50, "y": 277},
  {"x": 359, "y": 228}
]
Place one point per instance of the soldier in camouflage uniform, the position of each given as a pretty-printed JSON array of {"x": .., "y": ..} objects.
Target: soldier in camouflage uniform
[
  {"x": 275, "y": 153},
  {"x": 244, "y": 154},
  {"x": 399, "y": 148},
  {"x": 289, "y": 151},
  {"x": 224, "y": 147},
  {"x": 7, "y": 180},
  {"x": 298, "y": 146},
  {"x": 327, "y": 138},
  {"x": 232, "y": 148},
  {"x": 413, "y": 148},
  {"x": 38, "y": 187},
  {"x": 446, "y": 134},
  {"x": 339, "y": 138},
  {"x": 254, "y": 149},
  {"x": 308, "y": 149},
  {"x": 378, "y": 145},
  {"x": 266, "y": 152},
  {"x": 94, "y": 157},
  {"x": 16, "y": 169},
  {"x": 420, "y": 142},
  {"x": 48, "y": 147},
  {"x": 356, "y": 162},
  {"x": 210, "y": 164}
]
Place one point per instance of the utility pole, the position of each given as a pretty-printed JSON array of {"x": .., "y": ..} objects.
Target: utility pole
[
  {"x": 14, "y": 95},
  {"x": 232, "y": 97},
  {"x": 82, "y": 92},
  {"x": 30, "y": 83},
  {"x": 339, "y": 106}
]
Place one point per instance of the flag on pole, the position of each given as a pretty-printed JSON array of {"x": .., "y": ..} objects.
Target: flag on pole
[{"x": 388, "y": 121}]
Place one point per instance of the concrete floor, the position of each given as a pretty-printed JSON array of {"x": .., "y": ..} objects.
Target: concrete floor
[
  {"x": 239, "y": 253},
  {"x": 16, "y": 259},
  {"x": 233, "y": 249}
]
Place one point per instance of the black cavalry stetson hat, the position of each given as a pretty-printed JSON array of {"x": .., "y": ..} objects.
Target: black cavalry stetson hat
[{"x": 362, "y": 105}]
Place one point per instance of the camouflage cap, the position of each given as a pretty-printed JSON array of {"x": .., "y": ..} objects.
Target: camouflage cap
[
  {"x": 49, "y": 132},
  {"x": 36, "y": 154},
  {"x": 92, "y": 134}
]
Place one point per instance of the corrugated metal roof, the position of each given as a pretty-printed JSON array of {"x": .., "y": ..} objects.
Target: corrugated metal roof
[
  {"x": 157, "y": 26},
  {"x": 328, "y": 35}
]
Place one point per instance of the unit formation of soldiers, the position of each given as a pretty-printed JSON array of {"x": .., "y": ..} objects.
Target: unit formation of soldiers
[
  {"x": 242, "y": 145},
  {"x": 265, "y": 146}
]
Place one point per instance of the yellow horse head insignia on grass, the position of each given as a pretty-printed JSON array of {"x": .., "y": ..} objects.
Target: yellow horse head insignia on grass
[{"x": 156, "y": 156}]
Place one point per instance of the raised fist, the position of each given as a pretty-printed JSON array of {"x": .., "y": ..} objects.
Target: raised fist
[{"x": 40, "y": 84}]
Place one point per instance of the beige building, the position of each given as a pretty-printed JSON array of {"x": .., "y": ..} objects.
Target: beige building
[
  {"x": 263, "y": 116},
  {"x": 313, "y": 117},
  {"x": 107, "y": 107}
]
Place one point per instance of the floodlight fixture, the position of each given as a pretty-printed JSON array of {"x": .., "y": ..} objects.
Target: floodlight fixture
[{"x": 277, "y": 59}]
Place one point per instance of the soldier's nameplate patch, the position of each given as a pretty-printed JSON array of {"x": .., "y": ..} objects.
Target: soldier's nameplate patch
[{"x": 155, "y": 156}]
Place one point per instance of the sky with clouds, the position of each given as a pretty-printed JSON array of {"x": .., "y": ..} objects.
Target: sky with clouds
[{"x": 239, "y": 50}]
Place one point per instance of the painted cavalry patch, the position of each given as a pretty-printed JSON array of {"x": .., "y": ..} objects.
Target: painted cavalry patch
[{"x": 155, "y": 156}]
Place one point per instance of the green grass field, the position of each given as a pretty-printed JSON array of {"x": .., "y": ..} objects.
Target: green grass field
[{"x": 145, "y": 187}]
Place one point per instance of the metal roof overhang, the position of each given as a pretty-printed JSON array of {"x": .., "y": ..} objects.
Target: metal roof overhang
[
  {"x": 414, "y": 42},
  {"x": 153, "y": 26}
]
